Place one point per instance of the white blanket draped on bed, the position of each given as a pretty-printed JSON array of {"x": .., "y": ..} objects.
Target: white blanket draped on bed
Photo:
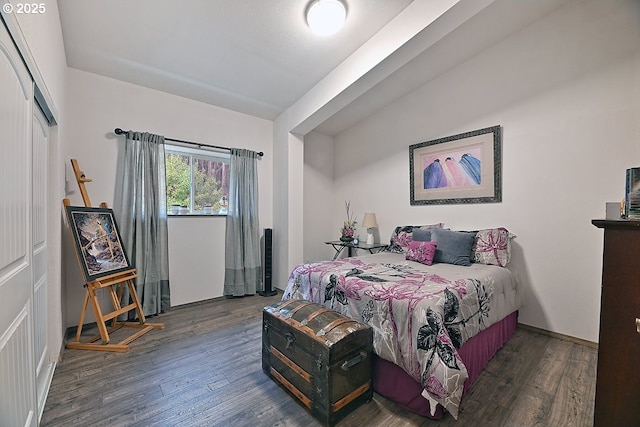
[{"x": 420, "y": 314}]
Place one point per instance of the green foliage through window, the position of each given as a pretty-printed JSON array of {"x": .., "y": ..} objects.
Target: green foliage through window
[{"x": 196, "y": 180}]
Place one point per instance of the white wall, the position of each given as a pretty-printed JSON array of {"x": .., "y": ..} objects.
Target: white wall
[
  {"x": 96, "y": 105},
  {"x": 566, "y": 91},
  {"x": 44, "y": 37},
  {"x": 196, "y": 258},
  {"x": 318, "y": 197}
]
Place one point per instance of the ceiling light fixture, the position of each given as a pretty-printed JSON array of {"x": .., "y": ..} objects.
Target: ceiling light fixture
[{"x": 326, "y": 17}]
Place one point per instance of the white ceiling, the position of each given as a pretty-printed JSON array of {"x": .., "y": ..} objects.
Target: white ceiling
[
  {"x": 258, "y": 57},
  {"x": 253, "y": 56}
]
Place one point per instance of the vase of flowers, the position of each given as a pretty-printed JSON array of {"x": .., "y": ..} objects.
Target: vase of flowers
[{"x": 348, "y": 230}]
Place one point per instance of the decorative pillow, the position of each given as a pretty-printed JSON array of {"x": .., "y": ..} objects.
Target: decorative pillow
[
  {"x": 402, "y": 236},
  {"x": 421, "y": 252},
  {"x": 421, "y": 235},
  {"x": 454, "y": 247},
  {"x": 493, "y": 246}
]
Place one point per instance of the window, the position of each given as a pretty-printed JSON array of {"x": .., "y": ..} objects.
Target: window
[{"x": 197, "y": 181}]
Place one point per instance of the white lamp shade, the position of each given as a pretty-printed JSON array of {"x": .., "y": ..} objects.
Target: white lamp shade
[
  {"x": 326, "y": 17},
  {"x": 369, "y": 220}
]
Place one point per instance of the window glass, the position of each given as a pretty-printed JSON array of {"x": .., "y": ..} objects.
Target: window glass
[{"x": 197, "y": 181}]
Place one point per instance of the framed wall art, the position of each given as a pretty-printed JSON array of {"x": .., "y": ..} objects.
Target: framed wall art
[
  {"x": 97, "y": 242},
  {"x": 463, "y": 168}
]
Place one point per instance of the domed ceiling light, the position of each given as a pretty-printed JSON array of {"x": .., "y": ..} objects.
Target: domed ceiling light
[{"x": 326, "y": 17}]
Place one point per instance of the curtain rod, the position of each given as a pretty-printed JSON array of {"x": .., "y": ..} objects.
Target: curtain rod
[{"x": 119, "y": 131}]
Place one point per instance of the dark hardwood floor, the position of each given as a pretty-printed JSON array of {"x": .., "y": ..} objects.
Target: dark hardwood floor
[{"x": 204, "y": 369}]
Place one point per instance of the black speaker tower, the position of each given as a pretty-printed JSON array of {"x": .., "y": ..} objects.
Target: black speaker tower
[{"x": 268, "y": 264}]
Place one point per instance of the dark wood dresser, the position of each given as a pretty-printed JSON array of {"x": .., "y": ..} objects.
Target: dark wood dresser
[{"x": 618, "y": 380}]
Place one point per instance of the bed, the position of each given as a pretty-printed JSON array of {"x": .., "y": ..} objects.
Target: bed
[{"x": 440, "y": 303}]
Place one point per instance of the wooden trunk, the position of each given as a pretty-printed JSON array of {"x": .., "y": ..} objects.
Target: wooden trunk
[{"x": 319, "y": 356}]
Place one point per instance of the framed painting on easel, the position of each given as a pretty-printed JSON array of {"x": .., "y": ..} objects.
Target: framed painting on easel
[{"x": 97, "y": 241}]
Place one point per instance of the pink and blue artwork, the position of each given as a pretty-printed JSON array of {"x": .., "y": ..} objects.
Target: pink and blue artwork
[{"x": 453, "y": 169}]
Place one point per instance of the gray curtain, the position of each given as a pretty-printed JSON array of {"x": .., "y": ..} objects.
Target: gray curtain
[
  {"x": 243, "y": 266},
  {"x": 141, "y": 209}
]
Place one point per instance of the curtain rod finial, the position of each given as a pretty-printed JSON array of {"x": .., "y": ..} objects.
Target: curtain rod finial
[{"x": 119, "y": 131}]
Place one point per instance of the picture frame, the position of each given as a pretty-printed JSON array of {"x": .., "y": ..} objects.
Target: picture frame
[
  {"x": 462, "y": 168},
  {"x": 97, "y": 242}
]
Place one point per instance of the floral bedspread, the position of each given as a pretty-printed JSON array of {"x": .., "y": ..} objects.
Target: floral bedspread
[{"x": 420, "y": 314}]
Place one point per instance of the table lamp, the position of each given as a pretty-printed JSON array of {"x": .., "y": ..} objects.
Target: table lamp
[{"x": 369, "y": 221}]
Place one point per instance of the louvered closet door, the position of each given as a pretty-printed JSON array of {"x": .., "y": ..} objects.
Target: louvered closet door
[{"x": 17, "y": 360}]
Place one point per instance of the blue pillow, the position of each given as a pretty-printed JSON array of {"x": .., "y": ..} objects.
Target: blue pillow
[
  {"x": 454, "y": 247},
  {"x": 421, "y": 235}
]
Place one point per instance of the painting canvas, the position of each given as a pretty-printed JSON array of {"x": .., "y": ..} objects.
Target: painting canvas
[
  {"x": 463, "y": 168},
  {"x": 97, "y": 241}
]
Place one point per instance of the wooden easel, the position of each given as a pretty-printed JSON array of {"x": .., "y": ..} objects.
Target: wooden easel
[{"x": 115, "y": 284}]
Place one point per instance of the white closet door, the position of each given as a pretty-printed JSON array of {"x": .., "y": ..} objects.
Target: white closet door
[
  {"x": 17, "y": 360},
  {"x": 40, "y": 154}
]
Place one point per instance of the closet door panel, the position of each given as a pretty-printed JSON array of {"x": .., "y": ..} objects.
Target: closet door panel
[
  {"x": 17, "y": 388},
  {"x": 39, "y": 202},
  {"x": 40, "y": 154}
]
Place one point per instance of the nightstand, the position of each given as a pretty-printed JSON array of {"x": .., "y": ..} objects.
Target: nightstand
[{"x": 339, "y": 246}]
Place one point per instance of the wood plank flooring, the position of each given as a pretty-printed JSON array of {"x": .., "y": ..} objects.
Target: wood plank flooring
[{"x": 204, "y": 369}]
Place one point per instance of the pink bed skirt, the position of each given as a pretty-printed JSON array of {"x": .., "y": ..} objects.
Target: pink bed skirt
[{"x": 394, "y": 383}]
